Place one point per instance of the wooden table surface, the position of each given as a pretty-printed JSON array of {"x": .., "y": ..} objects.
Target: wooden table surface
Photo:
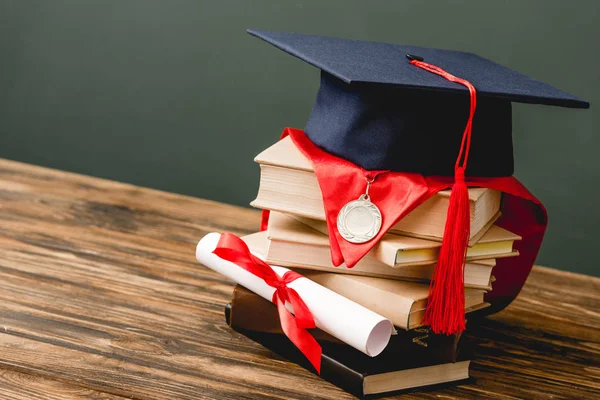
[{"x": 101, "y": 298}]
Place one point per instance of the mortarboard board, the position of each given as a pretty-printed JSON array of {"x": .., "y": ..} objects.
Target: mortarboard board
[
  {"x": 377, "y": 110},
  {"x": 416, "y": 115}
]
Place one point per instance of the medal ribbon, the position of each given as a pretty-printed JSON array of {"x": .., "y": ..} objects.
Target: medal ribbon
[
  {"x": 398, "y": 193},
  {"x": 372, "y": 175},
  {"x": 233, "y": 249}
]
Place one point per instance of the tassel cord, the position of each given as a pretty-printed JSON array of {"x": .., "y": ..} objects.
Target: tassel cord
[{"x": 445, "y": 307}]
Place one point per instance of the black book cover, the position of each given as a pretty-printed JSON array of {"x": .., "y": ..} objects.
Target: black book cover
[
  {"x": 347, "y": 367},
  {"x": 250, "y": 312}
]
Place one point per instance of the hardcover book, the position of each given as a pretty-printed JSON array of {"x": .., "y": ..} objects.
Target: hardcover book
[
  {"x": 288, "y": 184},
  {"x": 401, "y": 302},
  {"x": 286, "y": 233},
  {"x": 477, "y": 274},
  {"x": 367, "y": 377},
  {"x": 251, "y": 312}
]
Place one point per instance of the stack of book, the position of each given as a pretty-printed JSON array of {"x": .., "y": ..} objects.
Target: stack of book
[{"x": 392, "y": 280}]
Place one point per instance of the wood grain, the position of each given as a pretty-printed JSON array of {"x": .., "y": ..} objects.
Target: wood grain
[
  {"x": 18, "y": 386},
  {"x": 101, "y": 297}
]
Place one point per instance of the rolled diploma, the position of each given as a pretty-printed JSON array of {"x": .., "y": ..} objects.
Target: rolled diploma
[{"x": 342, "y": 318}]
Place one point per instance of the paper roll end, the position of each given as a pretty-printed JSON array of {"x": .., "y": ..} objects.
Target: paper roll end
[
  {"x": 207, "y": 244},
  {"x": 379, "y": 337}
]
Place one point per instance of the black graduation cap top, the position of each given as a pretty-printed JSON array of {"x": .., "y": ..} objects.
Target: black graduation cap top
[{"x": 379, "y": 111}]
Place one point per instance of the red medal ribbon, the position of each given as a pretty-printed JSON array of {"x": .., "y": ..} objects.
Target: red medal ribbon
[
  {"x": 398, "y": 193},
  {"x": 233, "y": 249}
]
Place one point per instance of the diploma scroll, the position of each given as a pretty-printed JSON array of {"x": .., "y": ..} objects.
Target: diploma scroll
[{"x": 340, "y": 317}]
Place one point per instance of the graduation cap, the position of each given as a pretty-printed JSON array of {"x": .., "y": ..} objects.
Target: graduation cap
[
  {"x": 408, "y": 109},
  {"x": 379, "y": 111}
]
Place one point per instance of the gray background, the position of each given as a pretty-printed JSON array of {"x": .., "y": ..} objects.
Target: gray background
[{"x": 174, "y": 95}]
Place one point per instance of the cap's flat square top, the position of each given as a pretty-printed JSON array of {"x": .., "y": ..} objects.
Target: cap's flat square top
[{"x": 384, "y": 63}]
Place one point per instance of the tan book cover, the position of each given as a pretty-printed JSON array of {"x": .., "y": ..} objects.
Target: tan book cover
[
  {"x": 409, "y": 299},
  {"x": 392, "y": 250},
  {"x": 288, "y": 184},
  {"x": 478, "y": 275},
  {"x": 401, "y": 302},
  {"x": 321, "y": 226}
]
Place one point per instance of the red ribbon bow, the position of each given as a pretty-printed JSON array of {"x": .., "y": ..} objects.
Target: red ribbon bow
[{"x": 233, "y": 249}]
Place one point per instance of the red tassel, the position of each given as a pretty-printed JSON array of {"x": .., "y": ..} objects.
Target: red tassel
[{"x": 445, "y": 311}]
